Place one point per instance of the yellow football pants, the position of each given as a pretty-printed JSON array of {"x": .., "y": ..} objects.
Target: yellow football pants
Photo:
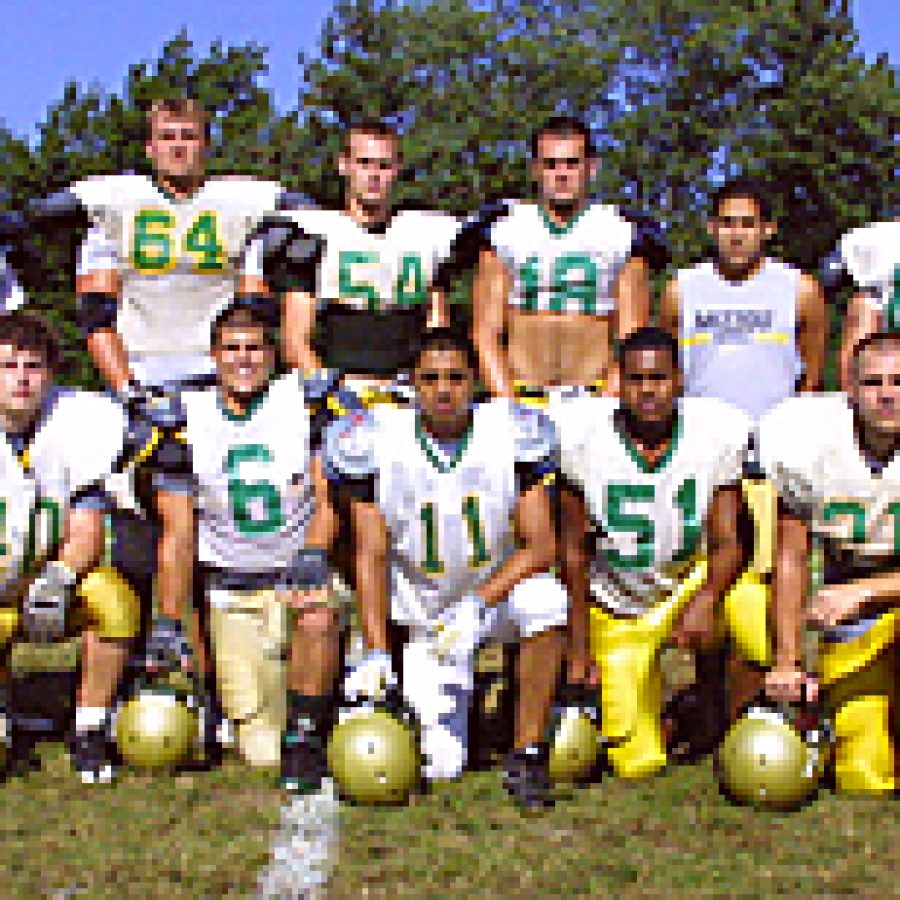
[
  {"x": 628, "y": 653},
  {"x": 860, "y": 678},
  {"x": 248, "y": 630},
  {"x": 108, "y": 606}
]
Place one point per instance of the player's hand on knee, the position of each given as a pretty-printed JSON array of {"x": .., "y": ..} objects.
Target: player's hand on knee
[
  {"x": 696, "y": 627},
  {"x": 459, "y": 629},
  {"x": 371, "y": 678},
  {"x": 46, "y": 603},
  {"x": 790, "y": 684},
  {"x": 168, "y": 647},
  {"x": 833, "y": 604},
  {"x": 304, "y": 601}
]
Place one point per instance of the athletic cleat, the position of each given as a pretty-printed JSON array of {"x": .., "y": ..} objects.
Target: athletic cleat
[
  {"x": 527, "y": 778},
  {"x": 90, "y": 757},
  {"x": 304, "y": 765}
]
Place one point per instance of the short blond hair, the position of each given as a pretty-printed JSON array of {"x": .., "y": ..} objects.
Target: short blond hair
[{"x": 179, "y": 108}]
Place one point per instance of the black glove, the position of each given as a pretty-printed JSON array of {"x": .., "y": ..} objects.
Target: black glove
[{"x": 167, "y": 646}]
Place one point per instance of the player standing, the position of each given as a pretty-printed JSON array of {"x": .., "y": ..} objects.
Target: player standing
[
  {"x": 657, "y": 476},
  {"x": 448, "y": 500},
  {"x": 160, "y": 260},
  {"x": 753, "y": 331},
  {"x": 833, "y": 460},
  {"x": 360, "y": 282}
]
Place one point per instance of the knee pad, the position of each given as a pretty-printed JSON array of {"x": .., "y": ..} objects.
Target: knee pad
[
  {"x": 538, "y": 603},
  {"x": 111, "y": 606},
  {"x": 861, "y": 694},
  {"x": 760, "y": 497},
  {"x": 9, "y": 625},
  {"x": 746, "y": 612},
  {"x": 259, "y": 741}
]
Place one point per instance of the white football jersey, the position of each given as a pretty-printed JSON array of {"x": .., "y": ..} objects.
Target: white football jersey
[
  {"x": 872, "y": 257},
  {"x": 377, "y": 268},
  {"x": 649, "y": 519},
  {"x": 11, "y": 294},
  {"x": 78, "y": 441},
  {"x": 178, "y": 259},
  {"x": 808, "y": 447},
  {"x": 252, "y": 476},
  {"x": 570, "y": 269},
  {"x": 449, "y": 516}
]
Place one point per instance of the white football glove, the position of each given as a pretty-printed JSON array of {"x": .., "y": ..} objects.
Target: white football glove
[
  {"x": 459, "y": 629},
  {"x": 371, "y": 678},
  {"x": 44, "y": 610}
]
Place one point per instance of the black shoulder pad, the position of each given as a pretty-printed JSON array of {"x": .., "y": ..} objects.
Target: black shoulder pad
[
  {"x": 833, "y": 273},
  {"x": 60, "y": 210},
  {"x": 289, "y": 200},
  {"x": 649, "y": 240},
  {"x": 290, "y": 255},
  {"x": 472, "y": 237},
  {"x": 13, "y": 227}
]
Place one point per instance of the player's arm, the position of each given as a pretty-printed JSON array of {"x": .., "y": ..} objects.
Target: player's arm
[
  {"x": 298, "y": 329},
  {"x": 370, "y": 556},
  {"x": 98, "y": 287},
  {"x": 789, "y": 580},
  {"x": 574, "y": 574},
  {"x": 631, "y": 310},
  {"x": 670, "y": 308},
  {"x": 83, "y": 542},
  {"x": 862, "y": 319},
  {"x": 438, "y": 315},
  {"x": 837, "y": 602},
  {"x": 490, "y": 289},
  {"x": 725, "y": 555},
  {"x": 812, "y": 332}
]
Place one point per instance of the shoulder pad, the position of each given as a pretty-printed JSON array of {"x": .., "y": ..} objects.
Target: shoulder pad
[
  {"x": 319, "y": 384},
  {"x": 284, "y": 237},
  {"x": 350, "y": 447},
  {"x": 535, "y": 434},
  {"x": 489, "y": 213},
  {"x": 12, "y": 226},
  {"x": 292, "y": 200},
  {"x": 60, "y": 210},
  {"x": 833, "y": 272}
]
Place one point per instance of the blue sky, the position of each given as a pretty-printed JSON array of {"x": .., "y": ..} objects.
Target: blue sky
[{"x": 44, "y": 43}]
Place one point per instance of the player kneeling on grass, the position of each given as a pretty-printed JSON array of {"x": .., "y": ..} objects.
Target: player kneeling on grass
[
  {"x": 60, "y": 445},
  {"x": 453, "y": 537},
  {"x": 658, "y": 479},
  {"x": 264, "y": 526},
  {"x": 833, "y": 460}
]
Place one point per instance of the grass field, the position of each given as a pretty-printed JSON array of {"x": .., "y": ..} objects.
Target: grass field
[{"x": 208, "y": 835}]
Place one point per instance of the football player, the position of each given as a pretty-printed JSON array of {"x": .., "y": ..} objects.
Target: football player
[
  {"x": 869, "y": 257},
  {"x": 264, "y": 527},
  {"x": 658, "y": 481},
  {"x": 752, "y": 331},
  {"x": 363, "y": 281},
  {"x": 833, "y": 460},
  {"x": 59, "y": 445},
  {"x": 161, "y": 258},
  {"x": 453, "y": 537},
  {"x": 559, "y": 280}
]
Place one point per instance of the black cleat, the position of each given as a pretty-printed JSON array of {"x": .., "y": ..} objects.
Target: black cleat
[
  {"x": 91, "y": 757},
  {"x": 304, "y": 765},
  {"x": 526, "y": 778}
]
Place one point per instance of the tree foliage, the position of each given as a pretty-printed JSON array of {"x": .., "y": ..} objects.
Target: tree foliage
[{"x": 680, "y": 94}]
